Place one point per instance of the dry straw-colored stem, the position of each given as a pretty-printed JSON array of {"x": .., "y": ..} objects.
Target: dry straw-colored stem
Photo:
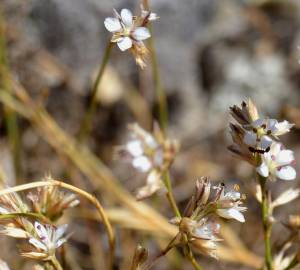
[{"x": 88, "y": 196}]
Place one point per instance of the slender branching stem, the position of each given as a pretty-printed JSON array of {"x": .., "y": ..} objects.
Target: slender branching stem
[
  {"x": 88, "y": 196},
  {"x": 88, "y": 117},
  {"x": 56, "y": 263}
]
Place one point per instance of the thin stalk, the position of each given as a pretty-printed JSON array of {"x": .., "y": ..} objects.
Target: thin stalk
[
  {"x": 267, "y": 225},
  {"x": 56, "y": 263},
  {"x": 170, "y": 195},
  {"x": 86, "y": 123},
  {"x": 162, "y": 253},
  {"x": 88, "y": 196},
  {"x": 192, "y": 259},
  {"x": 10, "y": 116},
  {"x": 159, "y": 91}
]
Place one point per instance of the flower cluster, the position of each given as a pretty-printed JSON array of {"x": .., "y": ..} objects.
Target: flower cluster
[
  {"x": 51, "y": 201},
  {"x": 21, "y": 219},
  {"x": 129, "y": 32},
  {"x": 149, "y": 153},
  {"x": 256, "y": 140},
  {"x": 44, "y": 241},
  {"x": 197, "y": 226}
]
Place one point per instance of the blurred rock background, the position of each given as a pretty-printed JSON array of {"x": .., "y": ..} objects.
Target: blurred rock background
[{"x": 212, "y": 54}]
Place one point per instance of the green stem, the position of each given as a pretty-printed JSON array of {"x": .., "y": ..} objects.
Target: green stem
[
  {"x": 86, "y": 123},
  {"x": 267, "y": 225},
  {"x": 159, "y": 91},
  {"x": 56, "y": 263},
  {"x": 192, "y": 259},
  {"x": 11, "y": 120},
  {"x": 170, "y": 195}
]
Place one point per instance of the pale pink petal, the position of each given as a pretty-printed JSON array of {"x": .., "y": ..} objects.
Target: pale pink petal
[
  {"x": 112, "y": 24},
  {"x": 125, "y": 43},
  {"x": 141, "y": 33},
  {"x": 286, "y": 173}
]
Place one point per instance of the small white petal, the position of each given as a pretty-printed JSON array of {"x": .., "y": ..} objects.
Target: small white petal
[
  {"x": 250, "y": 138},
  {"x": 286, "y": 173},
  {"x": 259, "y": 122},
  {"x": 282, "y": 128},
  {"x": 126, "y": 16},
  {"x": 38, "y": 244},
  {"x": 125, "y": 44},
  {"x": 265, "y": 142},
  {"x": 60, "y": 231},
  {"x": 141, "y": 33},
  {"x": 263, "y": 170},
  {"x": 60, "y": 242},
  {"x": 231, "y": 213},
  {"x": 285, "y": 157},
  {"x": 142, "y": 163},
  {"x": 112, "y": 24},
  {"x": 135, "y": 148},
  {"x": 275, "y": 149}
]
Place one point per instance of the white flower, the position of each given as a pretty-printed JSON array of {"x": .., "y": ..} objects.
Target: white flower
[
  {"x": 259, "y": 133},
  {"x": 202, "y": 234},
  {"x": 125, "y": 32},
  {"x": 148, "y": 15},
  {"x": 48, "y": 238},
  {"x": 228, "y": 205},
  {"x": 276, "y": 163},
  {"x": 149, "y": 154}
]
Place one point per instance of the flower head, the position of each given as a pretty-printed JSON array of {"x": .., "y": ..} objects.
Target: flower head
[
  {"x": 45, "y": 240},
  {"x": 149, "y": 153},
  {"x": 277, "y": 163},
  {"x": 51, "y": 201},
  {"x": 260, "y": 133},
  {"x": 202, "y": 234},
  {"x": 130, "y": 31}
]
